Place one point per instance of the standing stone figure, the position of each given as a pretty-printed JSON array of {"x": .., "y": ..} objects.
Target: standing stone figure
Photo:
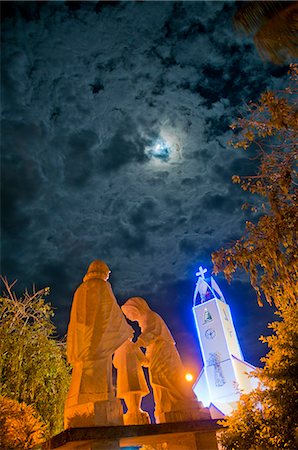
[
  {"x": 96, "y": 329},
  {"x": 173, "y": 396},
  {"x": 131, "y": 382}
]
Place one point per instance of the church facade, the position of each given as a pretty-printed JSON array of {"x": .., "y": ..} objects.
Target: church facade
[{"x": 225, "y": 373}]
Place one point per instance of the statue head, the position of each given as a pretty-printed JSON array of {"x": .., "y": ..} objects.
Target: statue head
[
  {"x": 97, "y": 269},
  {"x": 134, "y": 308}
]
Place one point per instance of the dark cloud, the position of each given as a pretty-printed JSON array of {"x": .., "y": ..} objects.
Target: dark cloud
[
  {"x": 140, "y": 215},
  {"x": 125, "y": 147},
  {"x": 96, "y": 86},
  {"x": 21, "y": 179},
  {"x": 79, "y": 149},
  {"x": 89, "y": 89},
  {"x": 106, "y": 4},
  {"x": 244, "y": 166},
  {"x": 187, "y": 246},
  {"x": 218, "y": 202},
  {"x": 191, "y": 182},
  {"x": 216, "y": 126},
  {"x": 29, "y": 11},
  {"x": 131, "y": 240}
]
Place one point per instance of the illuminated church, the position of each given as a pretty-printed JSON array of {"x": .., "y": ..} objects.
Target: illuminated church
[{"x": 224, "y": 373}]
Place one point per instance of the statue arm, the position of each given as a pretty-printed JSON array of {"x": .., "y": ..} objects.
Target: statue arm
[
  {"x": 140, "y": 355},
  {"x": 117, "y": 320},
  {"x": 151, "y": 330},
  {"x": 145, "y": 339}
]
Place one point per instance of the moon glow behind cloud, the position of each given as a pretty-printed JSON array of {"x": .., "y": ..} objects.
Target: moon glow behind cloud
[
  {"x": 160, "y": 149},
  {"x": 165, "y": 149}
]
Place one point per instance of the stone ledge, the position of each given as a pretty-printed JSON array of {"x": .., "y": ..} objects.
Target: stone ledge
[{"x": 115, "y": 433}]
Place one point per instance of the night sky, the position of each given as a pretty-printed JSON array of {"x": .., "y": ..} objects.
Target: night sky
[{"x": 114, "y": 146}]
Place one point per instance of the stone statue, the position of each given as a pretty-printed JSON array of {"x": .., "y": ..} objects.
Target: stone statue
[
  {"x": 173, "y": 396},
  {"x": 131, "y": 382},
  {"x": 97, "y": 328}
]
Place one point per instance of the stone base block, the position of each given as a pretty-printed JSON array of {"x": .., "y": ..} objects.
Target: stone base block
[
  {"x": 95, "y": 414},
  {"x": 139, "y": 418},
  {"x": 192, "y": 435},
  {"x": 174, "y": 441},
  {"x": 183, "y": 415},
  {"x": 102, "y": 444}
]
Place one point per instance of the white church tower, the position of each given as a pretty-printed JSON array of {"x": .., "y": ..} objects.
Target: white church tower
[{"x": 224, "y": 373}]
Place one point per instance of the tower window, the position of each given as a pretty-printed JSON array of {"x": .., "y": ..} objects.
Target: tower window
[{"x": 207, "y": 316}]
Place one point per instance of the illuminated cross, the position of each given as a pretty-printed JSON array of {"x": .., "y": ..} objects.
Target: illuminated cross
[{"x": 201, "y": 272}]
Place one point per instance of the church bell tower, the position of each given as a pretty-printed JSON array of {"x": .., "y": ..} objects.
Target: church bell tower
[{"x": 224, "y": 373}]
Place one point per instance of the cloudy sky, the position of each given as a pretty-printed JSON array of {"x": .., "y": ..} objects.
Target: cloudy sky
[{"x": 114, "y": 146}]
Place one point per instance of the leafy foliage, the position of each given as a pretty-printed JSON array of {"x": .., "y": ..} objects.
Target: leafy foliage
[
  {"x": 274, "y": 25},
  {"x": 268, "y": 416},
  {"x": 20, "y": 426},
  {"x": 33, "y": 367},
  {"x": 268, "y": 249}
]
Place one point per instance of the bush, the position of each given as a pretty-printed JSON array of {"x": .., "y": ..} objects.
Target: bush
[{"x": 20, "y": 426}]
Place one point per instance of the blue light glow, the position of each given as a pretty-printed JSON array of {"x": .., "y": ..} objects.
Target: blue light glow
[
  {"x": 223, "y": 362},
  {"x": 160, "y": 150}
]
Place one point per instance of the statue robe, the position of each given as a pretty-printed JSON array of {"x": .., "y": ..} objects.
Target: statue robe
[
  {"x": 166, "y": 370},
  {"x": 96, "y": 329},
  {"x": 128, "y": 360}
]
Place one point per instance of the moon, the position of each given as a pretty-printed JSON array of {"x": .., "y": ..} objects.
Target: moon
[
  {"x": 165, "y": 149},
  {"x": 160, "y": 150}
]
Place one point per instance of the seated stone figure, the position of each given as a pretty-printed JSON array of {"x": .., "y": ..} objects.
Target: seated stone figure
[
  {"x": 173, "y": 396},
  {"x": 131, "y": 382},
  {"x": 96, "y": 329}
]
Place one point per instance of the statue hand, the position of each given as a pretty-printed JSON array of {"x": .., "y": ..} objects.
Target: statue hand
[{"x": 140, "y": 342}]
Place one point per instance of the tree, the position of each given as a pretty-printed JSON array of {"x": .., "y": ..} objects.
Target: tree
[
  {"x": 267, "y": 417},
  {"x": 20, "y": 426},
  {"x": 33, "y": 367},
  {"x": 274, "y": 25},
  {"x": 268, "y": 249}
]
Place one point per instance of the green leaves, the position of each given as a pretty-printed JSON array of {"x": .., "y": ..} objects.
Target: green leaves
[
  {"x": 33, "y": 367},
  {"x": 267, "y": 417}
]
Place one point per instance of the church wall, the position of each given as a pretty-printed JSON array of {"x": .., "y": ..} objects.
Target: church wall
[
  {"x": 229, "y": 329},
  {"x": 224, "y": 372},
  {"x": 214, "y": 323},
  {"x": 242, "y": 369}
]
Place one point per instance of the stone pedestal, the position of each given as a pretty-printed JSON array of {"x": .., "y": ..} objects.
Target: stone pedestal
[
  {"x": 94, "y": 414},
  {"x": 139, "y": 418},
  {"x": 184, "y": 415},
  {"x": 192, "y": 435},
  {"x": 175, "y": 441}
]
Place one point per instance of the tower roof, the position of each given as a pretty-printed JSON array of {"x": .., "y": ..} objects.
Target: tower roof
[{"x": 206, "y": 288}]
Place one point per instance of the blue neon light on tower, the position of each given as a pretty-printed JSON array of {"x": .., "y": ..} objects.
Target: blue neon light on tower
[{"x": 224, "y": 372}]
